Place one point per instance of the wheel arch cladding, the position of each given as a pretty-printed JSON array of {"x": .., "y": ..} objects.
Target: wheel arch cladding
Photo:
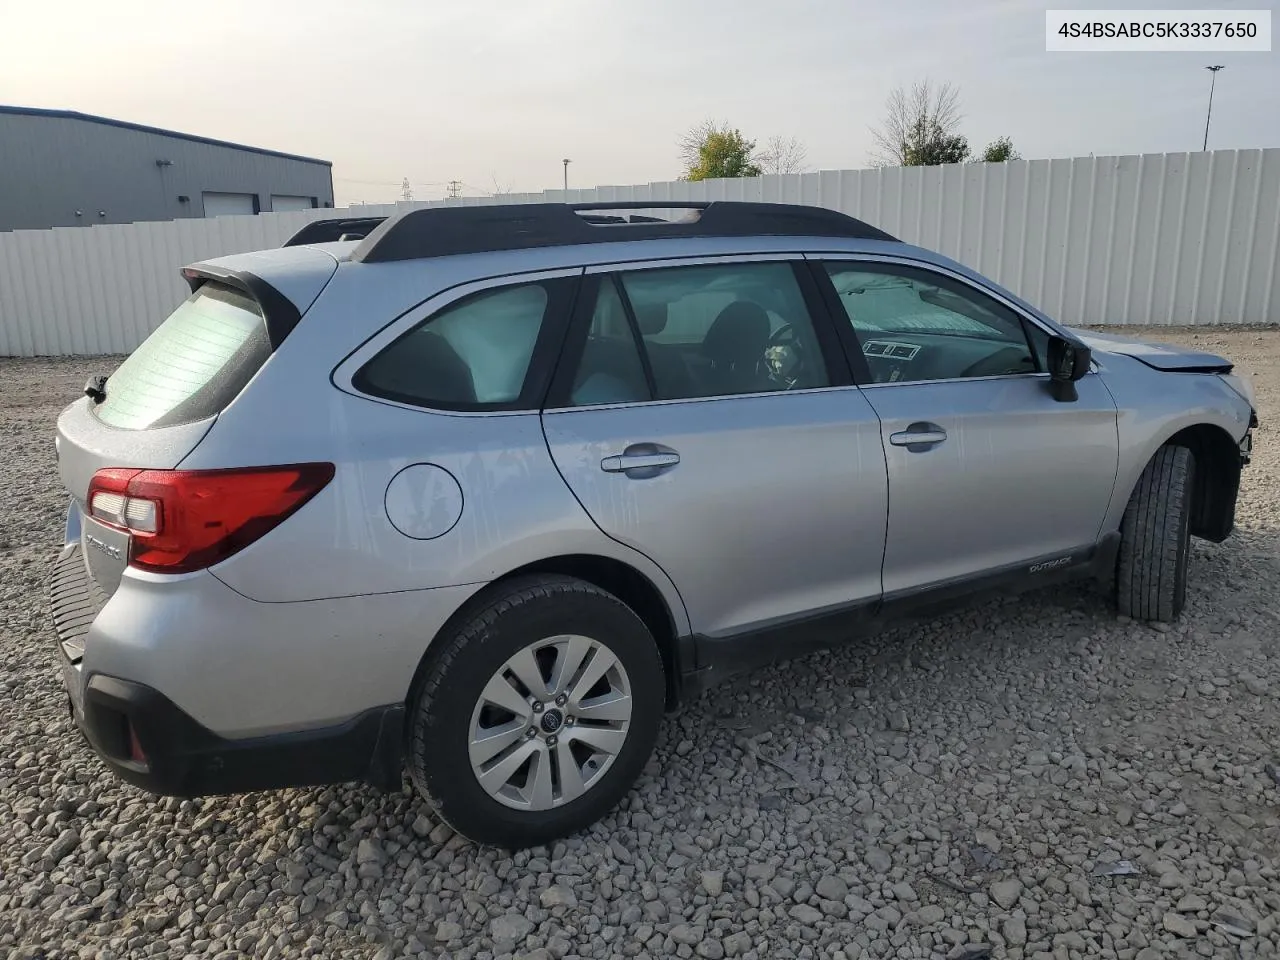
[
  {"x": 1216, "y": 481},
  {"x": 616, "y": 577}
]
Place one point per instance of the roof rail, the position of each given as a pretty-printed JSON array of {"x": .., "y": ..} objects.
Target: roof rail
[
  {"x": 446, "y": 231},
  {"x": 326, "y": 231}
]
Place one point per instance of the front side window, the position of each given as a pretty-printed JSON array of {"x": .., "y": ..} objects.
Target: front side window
[
  {"x": 708, "y": 330},
  {"x": 912, "y": 324},
  {"x": 472, "y": 354}
]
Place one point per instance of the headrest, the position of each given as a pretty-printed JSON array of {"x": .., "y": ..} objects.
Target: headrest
[
  {"x": 739, "y": 332},
  {"x": 651, "y": 318}
]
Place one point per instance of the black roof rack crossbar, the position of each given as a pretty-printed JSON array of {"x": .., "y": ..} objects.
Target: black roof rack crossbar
[
  {"x": 447, "y": 231},
  {"x": 326, "y": 231}
]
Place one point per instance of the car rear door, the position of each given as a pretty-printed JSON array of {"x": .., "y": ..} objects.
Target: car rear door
[
  {"x": 987, "y": 472},
  {"x": 702, "y": 417}
]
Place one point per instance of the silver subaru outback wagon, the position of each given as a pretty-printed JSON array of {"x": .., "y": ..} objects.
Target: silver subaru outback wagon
[{"x": 484, "y": 491}]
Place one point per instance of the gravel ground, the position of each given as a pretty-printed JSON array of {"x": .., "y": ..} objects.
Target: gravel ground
[{"x": 947, "y": 790}]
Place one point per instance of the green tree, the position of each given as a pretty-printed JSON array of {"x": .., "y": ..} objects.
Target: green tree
[
  {"x": 930, "y": 145},
  {"x": 714, "y": 150},
  {"x": 921, "y": 128},
  {"x": 1000, "y": 150}
]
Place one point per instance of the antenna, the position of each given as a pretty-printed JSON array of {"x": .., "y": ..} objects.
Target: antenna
[
  {"x": 455, "y": 188},
  {"x": 406, "y": 191}
]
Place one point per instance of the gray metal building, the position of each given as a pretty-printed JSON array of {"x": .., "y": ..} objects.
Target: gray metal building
[{"x": 59, "y": 168}]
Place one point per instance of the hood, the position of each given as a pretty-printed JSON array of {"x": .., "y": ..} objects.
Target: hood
[{"x": 1160, "y": 356}]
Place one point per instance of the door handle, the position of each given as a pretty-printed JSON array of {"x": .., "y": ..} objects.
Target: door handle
[
  {"x": 918, "y": 437},
  {"x": 640, "y": 461},
  {"x": 626, "y": 462}
]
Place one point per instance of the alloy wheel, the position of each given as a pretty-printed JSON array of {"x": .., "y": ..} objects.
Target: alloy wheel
[{"x": 550, "y": 722}]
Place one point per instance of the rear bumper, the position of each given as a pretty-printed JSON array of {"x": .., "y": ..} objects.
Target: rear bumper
[
  {"x": 241, "y": 668},
  {"x": 185, "y": 688},
  {"x": 148, "y": 741}
]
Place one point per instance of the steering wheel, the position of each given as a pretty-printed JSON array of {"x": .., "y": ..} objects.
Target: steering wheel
[
  {"x": 1008, "y": 360},
  {"x": 784, "y": 360}
]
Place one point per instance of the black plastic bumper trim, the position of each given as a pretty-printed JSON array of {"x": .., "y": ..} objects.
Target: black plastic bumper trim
[
  {"x": 186, "y": 759},
  {"x": 75, "y": 599}
]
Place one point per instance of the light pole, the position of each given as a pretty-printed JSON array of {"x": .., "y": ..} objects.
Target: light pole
[
  {"x": 1213, "y": 71},
  {"x": 566, "y": 161}
]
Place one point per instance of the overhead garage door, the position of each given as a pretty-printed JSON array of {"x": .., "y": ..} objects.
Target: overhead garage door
[
  {"x": 228, "y": 204},
  {"x": 281, "y": 204}
]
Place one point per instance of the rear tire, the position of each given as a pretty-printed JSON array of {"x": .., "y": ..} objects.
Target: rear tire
[
  {"x": 1151, "y": 572},
  {"x": 551, "y": 776}
]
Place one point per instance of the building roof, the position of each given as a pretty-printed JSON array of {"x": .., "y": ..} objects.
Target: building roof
[{"x": 124, "y": 124}]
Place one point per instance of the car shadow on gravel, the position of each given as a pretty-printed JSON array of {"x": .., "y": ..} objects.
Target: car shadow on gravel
[{"x": 1012, "y": 720}]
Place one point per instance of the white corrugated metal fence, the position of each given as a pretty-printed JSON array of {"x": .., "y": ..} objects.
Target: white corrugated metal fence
[{"x": 1185, "y": 238}]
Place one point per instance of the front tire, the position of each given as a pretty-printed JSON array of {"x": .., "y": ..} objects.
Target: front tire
[
  {"x": 1155, "y": 535},
  {"x": 537, "y": 713}
]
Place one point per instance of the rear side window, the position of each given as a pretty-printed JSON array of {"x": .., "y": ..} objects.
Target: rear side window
[
  {"x": 610, "y": 370},
  {"x": 192, "y": 365},
  {"x": 725, "y": 329},
  {"x": 474, "y": 354}
]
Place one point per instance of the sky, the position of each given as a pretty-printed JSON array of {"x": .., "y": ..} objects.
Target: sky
[{"x": 495, "y": 93}]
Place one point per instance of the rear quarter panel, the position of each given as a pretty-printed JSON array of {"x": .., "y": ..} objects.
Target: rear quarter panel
[{"x": 516, "y": 509}]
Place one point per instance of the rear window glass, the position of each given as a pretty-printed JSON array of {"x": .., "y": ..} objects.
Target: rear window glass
[{"x": 192, "y": 366}]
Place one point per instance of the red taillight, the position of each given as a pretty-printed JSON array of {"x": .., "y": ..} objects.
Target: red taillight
[
  {"x": 184, "y": 520},
  {"x": 136, "y": 753}
]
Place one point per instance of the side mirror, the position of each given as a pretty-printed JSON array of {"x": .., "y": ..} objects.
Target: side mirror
[{"x": 1068, "y": 362}]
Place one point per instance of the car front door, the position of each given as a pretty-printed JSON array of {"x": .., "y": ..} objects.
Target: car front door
[
  {"x": 701, "y": 417},
  {"x": 988, "y": 473}
]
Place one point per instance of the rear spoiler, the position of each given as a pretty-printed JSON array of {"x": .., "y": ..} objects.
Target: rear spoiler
[
  {"x": 326, "y": 231},
  {"x": 278, "y": 312}
]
